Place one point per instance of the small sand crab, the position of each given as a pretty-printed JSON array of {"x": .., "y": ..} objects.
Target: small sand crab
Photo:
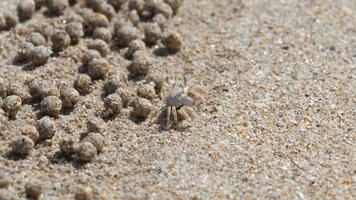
[{"x": 178, "y": 106}]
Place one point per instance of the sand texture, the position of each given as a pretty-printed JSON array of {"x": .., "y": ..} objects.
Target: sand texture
[{"x": 274, "y": 118}]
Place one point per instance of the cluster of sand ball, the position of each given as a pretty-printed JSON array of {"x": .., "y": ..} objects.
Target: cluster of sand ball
[
  {"x": 129, "y": 25},
  {"x": 133, "y": 25},
  {"x": 35, "y": 189}
]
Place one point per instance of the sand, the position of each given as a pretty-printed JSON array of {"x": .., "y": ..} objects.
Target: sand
[{"x": 277, "y": 119}]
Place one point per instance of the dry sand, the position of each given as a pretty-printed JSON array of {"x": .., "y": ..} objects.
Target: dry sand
[{"x": 277, "y": 120}]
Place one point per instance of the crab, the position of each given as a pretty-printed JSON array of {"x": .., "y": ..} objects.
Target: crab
[{"x": 178, "y": 106}]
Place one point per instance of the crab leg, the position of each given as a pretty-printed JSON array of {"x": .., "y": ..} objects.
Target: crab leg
[
  {"x": 174, "y": 114},
  {"x": 188, "y": 110},
  {"x": 168, "y": 117}
]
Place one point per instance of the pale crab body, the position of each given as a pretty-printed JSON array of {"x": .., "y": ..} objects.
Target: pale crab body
[
  {"x": 178, "y": 98},
  {"x": 178, "y": 106}
]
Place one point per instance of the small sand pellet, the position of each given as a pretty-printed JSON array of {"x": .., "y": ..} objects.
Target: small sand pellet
[
  {"x": 75, "y": 31},
  {"x": 57, "y": 7},
  {"x": 36, "y": 39},
  {"x": 46, "y": 128},
  {"x": 34, "y": 189},
  {"x": 83, "y": 193},
  {"x": 60, "y": 40},
  {"x": 25, "y": 9},
  {"x": 22, "y": 146},
  {"x": 113, "y": 104},
  {"x": 98, "y": 68},
  {"x": 97, "y": 139},
  {"x": 12, "y": 104},
  {"x": 69, "y": 97},
  {"x": 101, "y": 46},
  {"x": 82, "y": 84},
  {"x": 86, "y": 152},
  {"x": 141, "y": 108},
  {"x": 51, "y": 106}
]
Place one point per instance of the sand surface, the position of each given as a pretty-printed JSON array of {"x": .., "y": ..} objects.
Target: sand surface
[{"x": 277, "y": 119}]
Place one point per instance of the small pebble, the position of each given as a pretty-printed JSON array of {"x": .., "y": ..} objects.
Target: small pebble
[
  {"x": 164, "y": 9},
  {"x": 75, "y": 31},
  {"x": 86, "y": 152},
  {"x": 46, "y": 128},
  {"x": 112, "y": 84},
  {"x": 89, "y": 55},
  {"x": 51, "y": 106},
  {"x": 74, "y": 17},
  {"x": 57, "y": 7},
  {"x": 121, "y": 22},
  {"x": 148, "y": 9},
  {"x": 125, "y": 35},
  {"x": 26, "y": 9},
  {"x": 141, "y": 107},
  {"x": 158, "y": 80},
  {"x": 31, "y": 132},
  {"x": 36, "y": 39},
  {"x": 12, "y": 104},
  {"x": 117, "y": 3},
  {"x": 140, "y": 64},
  {"x": 134, "y": 46},
  {"x": 69, "y": 97},
  {"x": 86, "y": 14},
  {"x": 113, "y": 104},
  {"x": 107, "y": 10},
  {"x": 172, "y": 41},
  {"x": 98, "y": 68},
  {"x": 146, "y": 91},
  {"x": 82, "y": 84},
  {"x": 60, "y": 40},
  {"x": 7, "y": 195},
  {"x": 134, "y": 17},
  {"x": 126, "y": 96},
  {"x": 94, "y": 4},
  {"x": 84, "y": 193},
  {"x": 40, "y": 89},
  {"x": 96, "y": 124},
  {"x": 102, "y": 34},
  {"x": 101, "y": 46},
  {"x": 40, "y": 3},
  {"x": 22, "y": 146},
  {"x": 18, "y": 89},
  {"x": 34, "y": 189},
  {"x": 5, "y": 181},
  {"x": 4, "y": 86},
  {"x": 160, "y": 20},
  {"x": 98, "y": 20},
  {"x": 40, "y": 55},
  {"x": 11, "y": 20},
  {"x": 93, "y": 20},
  {"x": 68, "y": 145},
  {"x": 137, "y": 5},
  {"x": 25, "y": 51},
  {"x": 152, "y": 33},
  {"x": 174, "y": 4},
  {"x": 97, "y": 139}
]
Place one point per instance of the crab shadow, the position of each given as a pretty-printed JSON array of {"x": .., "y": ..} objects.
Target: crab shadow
[
  {"x": 163, "y": 52},
  {"x": 15, "y": 156},
  {"x": 25, "y": 64},
  {"x": 137, "y": 120},
  {"x": 60, "y": 158}
]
